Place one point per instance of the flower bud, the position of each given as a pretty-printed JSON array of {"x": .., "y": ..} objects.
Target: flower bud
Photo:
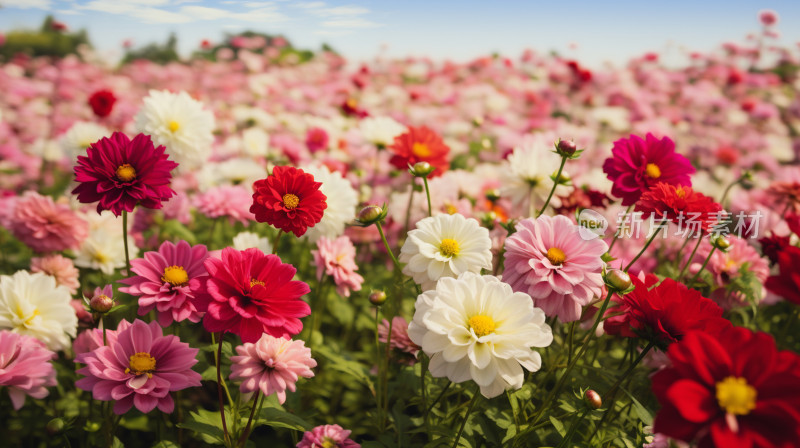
[
  {"x": 721, "y": 243},
  {"x": 477, "y": 122},
  {"x": 593, "y": 399},
  {"x": 101, "y": 303},
  {"x": 370, "y": 215},
  {"x": 422, "y": 169},
  {"x": 493, "y": 194},
  {"x": 55, "y": 427},
  {"x": 618, "y": 280},
  {"x": 377, "y": 298},
  {"x": 566, "y": 147},
  {"x": 488, "y": 219}
]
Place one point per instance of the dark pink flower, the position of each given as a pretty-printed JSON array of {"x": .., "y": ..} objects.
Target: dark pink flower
[{"x": 327, "y": 436}]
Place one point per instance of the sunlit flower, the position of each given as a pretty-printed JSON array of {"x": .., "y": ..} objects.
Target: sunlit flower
[
  {"x": 380, "y": 131},
  {"x": 104, "y": 249},
  {"x": 341, "y": 199},
  {"x": 247, "y": 240},
  {"x": 226, "y": 201},
  {"x": 80, "y": 136},
  {"x": 420, "y": 144},
  {"x": 290, "y": 200},
  {"x": 532, "y": 167}
]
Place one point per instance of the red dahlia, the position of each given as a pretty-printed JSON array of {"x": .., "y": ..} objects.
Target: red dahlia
[
  {"x": 102, "y": 101},
  {"x": 289, "y": 200},
  {"x": 731, "y": 390},
  {"x": 677, "y": 203},
  {"x": 420, "y": 145},
  {"x": 787, "y": 283}
]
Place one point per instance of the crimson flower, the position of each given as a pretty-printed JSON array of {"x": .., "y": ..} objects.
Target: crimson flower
[
  {"x": 734, "y": 389},
  {"x": 773, "y": 245},
  {"x": 678, "y": 203},
  {"x": 121, "y": 173},
  {"x": 289, "y": 200},
  {"x": 420, "y": 145},
  {"x": 102, "y": 102},
  {"x": 787, "y": 283},
  {"x": 251, "y": 293}
]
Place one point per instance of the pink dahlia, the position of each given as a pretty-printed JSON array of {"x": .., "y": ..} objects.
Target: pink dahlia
[
  {"x": 327, "y": 436},
  {"x": 59, "y": 267},
  {"x": 169, "y": 280},
  {"x": 139, "y": 369},
  {"x": 251, "y": 293},
  {"x": 46, "y": 226},
  {"x": 25, "y": 367},
  {"x": 400, "y": 340},
  {"x": 548, "y": 259},
  {"x": 336, "y": 258},
  {"x": 230, "y": 201},
  {"x": 120, "y": 173},
  {"x": 272, "y": 365},
  {"x": 638, "y": 164}
]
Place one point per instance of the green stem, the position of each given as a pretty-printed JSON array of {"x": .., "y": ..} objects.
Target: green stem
[
  {"x": 423, "y": 371},
  {"x": 379, "y": 364},
  {"x": 125, "y": 242},
  {"x": 616, "y": 234},
  {"x": 277, "y": 242},
  {"x": 680, "y": 251},
  {"x": 211, "y": 231},
  {"x": 569, "y": 343},
  {"x": 728, "y": 190},
  {"x": 691, "y": 257},
  {"x": 713, "y": 248},
  {"x": 219, "y": 390},
  {"x": 439, "y": 397},
  {"x": 466, "y": 416},
  {"x": 386, "y": 245},
  {"x": 246, "y": 432},
  {"x": 385, "y": 375},
  {"x": 555, "y": 184},
  {"x": 428, "y": 194},
  {"x": 655, "y": 234}
]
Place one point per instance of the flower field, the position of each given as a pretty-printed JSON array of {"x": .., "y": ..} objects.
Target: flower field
[{"x": 252, "y": 248}]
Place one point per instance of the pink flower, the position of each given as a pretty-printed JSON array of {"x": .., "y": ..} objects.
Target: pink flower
[
  {"x": 226, "y": 200},
  {"x": 337, "y": 259},
  {"x": 25, "y": 367},
  {"x": 139, "y": 369},
  {"x": 169, "y": 280},
  {"x": 92, "y": 339},
  {"x": 768, "y": 17},
  {"x": 46, "y": 226},
  {"x": 327, "y": 436},
  {"x": 400, "y": 340},
  {"x": 102, "y": 300},
  {"x": 548, "y": 259},
  {"x": 316, "y": 139},
  {"x": 60, "y": 267},
  {"x": 272, "y": 365}
]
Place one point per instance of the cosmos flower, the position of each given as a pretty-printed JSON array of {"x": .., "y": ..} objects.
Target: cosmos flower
[
  {"x": 380, "y": 131},
  {"x": 290, "y": 200},
  {"x": 336, "y": 258},
  {"x": 104, "y": 249},
  {"x": 46, "y": 226},
  {"x": 327, "y": 436},
  {"x": 420, "y": 144},
  {"x": 25, "y": 368}
]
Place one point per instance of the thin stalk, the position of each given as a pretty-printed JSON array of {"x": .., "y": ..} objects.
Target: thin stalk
[
  {"x": 616, "y": 234},
  {"x": 466, "y": 416},
  {"x": 219, "y": 391},
  {"x": 423, "y": 370},
  {"x": 439, "y": 397},
  {"x": 655, "y": 234},
  {"x": 277, "y": 242},
  {"x": 689, "y": 261},
  {"x": 569, "y": 340},
  {"x": 697, "y": 274},
  {"x": 680, "y": 251},
  {"x": 728, "y": 190},
  {"x": 246, "y": 432},
  {"x": 385, "y": 375},
  {"x": 408, "y": 207},
  {"x": 379, "y": 393},
  {"x": 428, "y": 194},
  {"x": 555, "y": 184},
  {"x": 125, "y": 242},
  {"x": 386, "y": 245}
]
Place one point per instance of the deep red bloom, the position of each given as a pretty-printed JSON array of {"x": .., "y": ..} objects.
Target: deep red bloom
[
  {"x": 637, "y": 164},
  {"x": 420, "y": 145},
  {"x": 793, "y": 221},
  {"x": 773, "y": 245},
  {"x": 316, "y": 139},
  {"x": 787, "y": 283},
  {"x": 102, "y": 102},
  {"x": 121, "y": 173},
  {"x": 732, "y": 390},
  {"x": 289, "y": 199},
  {"x": 251, "y": 293},
  {"x": 618, "y": 317},
  {"x": 581, "y": 198},
  {"x": 679, "y": 204}
]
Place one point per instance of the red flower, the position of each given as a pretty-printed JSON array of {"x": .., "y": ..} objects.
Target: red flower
[
  {"x": 251, "y": 293},
  {"x": 289, "y": 199},
  {"x": 773, "y": 245},
  {"x": 316, "y": 139},
  {"x": 787, "y": 282},
  {"x": 733, "y": 390},
  {"x": 618, "y": 316},
  {"x": 793, "y": 221},
  {"x": 121, "y": 173},
  {"x": 420, "y": 145},
  {"x": 102, "y": 101},
  {"x": 680, "y": 205}
]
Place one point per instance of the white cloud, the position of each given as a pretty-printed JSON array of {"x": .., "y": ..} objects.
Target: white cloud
[
  {"x": 341, "y": 32},
  {"x": 350, "y": 23},
  {"x": 342, "y": 11},
  {"x": 131, "y": 9},
  {"x": 262, "y": 15},
  {"x": 68, "y": 12},
  {"x": 26, "y": 4},
  {"x": 309, "y": 5}
]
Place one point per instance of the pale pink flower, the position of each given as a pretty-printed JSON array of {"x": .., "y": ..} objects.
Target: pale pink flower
[
  {"x": 400, "y": 340},
  {"x": 229, "y": 201},
  {"x": 91, "y": 339},
  {"x": 25, "y": 367},
  {"x": 46, "y": 226},
  {"x": 327, "y": 436},
  {"x": 548, "y": 259},
  {"x": 59, "y": 267},
  {"x": 272, "y": 365},
  {"x": 336, "y": 258}
]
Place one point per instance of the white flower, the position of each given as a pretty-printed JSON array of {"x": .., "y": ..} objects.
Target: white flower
[
  {"x": 380, "y": 131},
  {"x": 236, "y": 171},
  {"x": 104, "y": 249},
  {"x": 532, "y": 165},
  {"x": 33, "y": 305},
  {"x": 476, "y": 327},
  {"x": 255, "y": 142},
  {"x": 247, "y": 240},
  {"x": 48, "y": 150},
  {"x": 80, "y": 136},
  {"x": 445, "y": 246},
  {"x": 180, "y": 123},
  {"x": 342, "y": 201}
]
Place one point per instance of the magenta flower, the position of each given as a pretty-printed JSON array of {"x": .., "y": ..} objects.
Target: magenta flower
[
  {"x": 251, "y": 293},
  {"x": 327, "y": 436},
  {"x": 46, "y": 226},
  {"x": 139, "y": 369},
  {"x": 548, "y": 259},
  {"x": 120, "y": 173},
  {"x": 169, "y": 280},
  {"x": 272, "y": 365},
  {"x": 637, "y": 164},
  {"x": 336, "y": 258},
  {"x": 25, "y": 367}
]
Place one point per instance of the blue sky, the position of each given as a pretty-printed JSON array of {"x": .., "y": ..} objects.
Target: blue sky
[{"x": 458, "y": 30}]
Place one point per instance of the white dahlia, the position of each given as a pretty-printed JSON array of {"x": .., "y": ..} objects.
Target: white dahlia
[
  {"x": 33, "y": 305},
  {"x": 180, "y": 123},
  {"x": 82, "y": 134},
  {"x": 445, "y": 246},
  {"x": 531, "y": 166},
  {"x": 342, "y": 201},
  {"x": 248, "y": 240},
  {"x": 476, "y": 327},
  {"x": 104, "y": 249}
]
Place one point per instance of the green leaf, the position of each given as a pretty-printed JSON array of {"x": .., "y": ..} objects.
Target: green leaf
[
  {"x": 352, "y": 368},
  {"x": 278, "y": 418},
  {"x": 165, "y": 444},
  {"x": 558, "y": 425},
  {"x": 644, "y": 415},
  {"x": 207, "y": 424}
]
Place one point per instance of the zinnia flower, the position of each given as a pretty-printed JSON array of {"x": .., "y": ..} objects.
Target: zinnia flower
[
  {"x": 121, "y": 173},
  {"x": 680, "y": 205},
  {"x": 475, "y": 327},
  {"x": 637, "y": 164},
  {"x": 445, "y": 246},
  {"x": 228, "y": 201},
  {"x": 59, "y": 267},
  {"x": 45, "y": 226},
  {"x": 102, "y": 102},
  {"x": 272, "y": 365},
  {"x": 548, "y": 259},
  {"x": 734, "y": 389},
  {"x": 289, "y": 199},
  {"x": 139, "y": 369},
  {"x": 336, "y": 258},
  {"x": 25, "y": 367},
  {"x": 32, "y": 304},
  {"x": 341, "y": 200},
  {"x": 250, "y": 293},
  {"x": 327, "y": 436},
  {"x": 787, "y": 282},
  {"x": 420, "y": 144},
  {"x": 169, "y": 281}
]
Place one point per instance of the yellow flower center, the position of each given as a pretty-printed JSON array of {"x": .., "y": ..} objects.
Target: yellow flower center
[
  {"x": 450, "y": 209},
  {"x": 735, "y": 396},
  {"x": 556, "y": 256},
  {"x": 680, "y": 192},
  {"x": 421, "y": 150},
  {"x": 482, "y": 325},
  {"x": 173, "y": 126},
  {"x": 175, "y": 276},
  {"x": 29, "y": 319},
  {"x": 449, "y": 247},
  {"x": 290, "y": 201},
  {"x": 101, "y": 257},
  {"x": 126, "y": 173},
  {"x": 327, "y": 442},
  {"x": 141, "y": 363},
  {"x": 653, "y": 171},
  {"x": 254, "y": 282}
]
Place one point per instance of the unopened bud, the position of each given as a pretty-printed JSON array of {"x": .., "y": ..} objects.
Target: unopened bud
[
  {"x": 370, "y": 215},
  {"x": 593, "y": 399},
  {"x": 566, "y": 147},
  {"x": 55, "y": 427},
  {"x": 618, "y": 280},
  {"x": 488, "y": 219},
  {"x": 477, "y": 122},
  {"x": 721, "y": 243},
  {"x": 422, "y": 169},
  {"x": 493, "y": 194},
  {"x": 377, "y": 298},
  {"x": 101, "y": 303}
]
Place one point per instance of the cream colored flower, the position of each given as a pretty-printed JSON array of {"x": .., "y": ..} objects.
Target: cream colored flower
[
  {"x": 247, "y": 240},
  {"x": 342, "y": 201},
  {"x": 531, "y": 167},
  {"x": 80, "y": 136},
  {"x": 104, "y": 250}
]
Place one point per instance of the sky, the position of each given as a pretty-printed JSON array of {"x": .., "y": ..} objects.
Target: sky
[{"x": 594, "y": 32}]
